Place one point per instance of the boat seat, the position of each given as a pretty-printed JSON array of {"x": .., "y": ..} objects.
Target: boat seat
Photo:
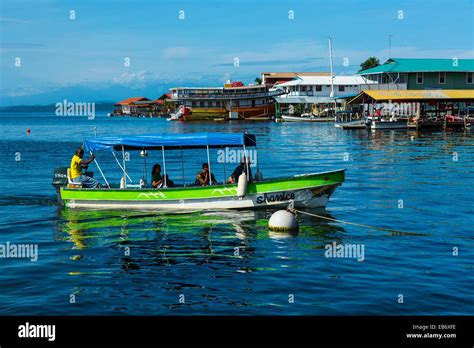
[{"x": 70, "y": 183}]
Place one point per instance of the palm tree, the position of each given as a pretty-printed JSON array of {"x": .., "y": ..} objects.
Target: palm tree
[
  {"x": 371, "y": 62},
  {"x": 258, "y": 80}
]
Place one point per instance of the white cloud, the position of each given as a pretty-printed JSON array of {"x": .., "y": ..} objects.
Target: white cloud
[
  {"x": 20, "y": 91},
  {"x": 414, "y": 52},
  {"x": 178, "y": 52},
  {"x": 13, "y": 20},
  {"x": 135, "y": 79}
]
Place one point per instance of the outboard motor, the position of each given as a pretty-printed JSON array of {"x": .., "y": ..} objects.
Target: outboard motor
[{"x": 59, "y": 180}]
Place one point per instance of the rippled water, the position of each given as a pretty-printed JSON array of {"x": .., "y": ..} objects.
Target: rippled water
[{"x": 399, "y": 180}]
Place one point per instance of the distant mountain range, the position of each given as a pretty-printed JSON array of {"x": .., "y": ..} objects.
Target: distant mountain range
[
  {"x": 106, "y": 106},
  {"x": 81, "y": 93}
]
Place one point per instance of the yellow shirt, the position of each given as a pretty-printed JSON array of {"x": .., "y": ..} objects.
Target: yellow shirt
[{"x": 76, "y": 168}]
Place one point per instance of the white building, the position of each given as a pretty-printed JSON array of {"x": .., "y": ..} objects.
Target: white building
[{"x": 311, "y": 90}]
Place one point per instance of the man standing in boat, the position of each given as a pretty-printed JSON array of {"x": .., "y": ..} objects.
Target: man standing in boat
[{"x": 77, "y": 163}]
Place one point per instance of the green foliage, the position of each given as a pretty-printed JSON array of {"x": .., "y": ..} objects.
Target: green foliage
[{"x": 370, "y": 63}]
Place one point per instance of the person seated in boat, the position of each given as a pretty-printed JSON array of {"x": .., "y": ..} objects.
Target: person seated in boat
[
  {"x": 241, "y": 168},
  {"x": 77, "y": 163},
  {"x": 158, "y": 180},
  {"x": 202, "y": 178}
]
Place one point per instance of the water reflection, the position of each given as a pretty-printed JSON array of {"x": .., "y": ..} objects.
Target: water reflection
[
  {"x": 213, "y": 255},
  {"x": 165, "y": 239}
]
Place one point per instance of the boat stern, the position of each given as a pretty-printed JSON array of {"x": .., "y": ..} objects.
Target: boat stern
[{"x": 59, "y": 181}]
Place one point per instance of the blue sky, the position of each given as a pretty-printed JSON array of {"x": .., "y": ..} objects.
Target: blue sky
[{"x": 84, "y": 58}]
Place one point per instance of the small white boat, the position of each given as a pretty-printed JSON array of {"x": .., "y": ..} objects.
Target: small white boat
[
  {"x": 356, "y": 124},
  {"x": 346, "y": 120},
  {"x": 306, "y": 118},
  {"x": 179, "y": 114},
  {"x": 377, "y": 123}
]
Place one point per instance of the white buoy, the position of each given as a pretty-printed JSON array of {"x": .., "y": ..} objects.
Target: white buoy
[
  {"x": 242, "y": 186},
  {"x": 283, "y": 221},
  {"x": 123, "y": 182}
]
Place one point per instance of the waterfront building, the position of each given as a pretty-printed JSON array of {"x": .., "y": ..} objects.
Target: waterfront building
[
  {"x": 422, "y": 108},
  {"x": 414, "y": 73},
  {"x": 233, "y": 101},
  {"x": 133, "y": 106},
  {"x": 272, "y": 78},
  {"x": 141, "y": 106},
  {"x": 308, "y": 93}
]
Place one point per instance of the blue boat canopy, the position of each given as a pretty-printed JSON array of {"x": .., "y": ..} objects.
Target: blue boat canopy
[{"x": 169, "y": 141}]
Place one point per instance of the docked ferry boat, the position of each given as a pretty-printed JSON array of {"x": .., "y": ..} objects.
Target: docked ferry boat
[
  {"x": 233, "y": 101},
  {"x": 303, "y": 190}
]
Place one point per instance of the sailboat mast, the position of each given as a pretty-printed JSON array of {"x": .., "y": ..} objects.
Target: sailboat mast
[{"x": 330, "y": 65}]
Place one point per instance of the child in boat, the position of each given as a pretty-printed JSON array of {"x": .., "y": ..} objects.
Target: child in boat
[
  {"x": 77, "y": 163},
  {"x": 202, "y": 178},
  {"x": 157, "y": 180}
]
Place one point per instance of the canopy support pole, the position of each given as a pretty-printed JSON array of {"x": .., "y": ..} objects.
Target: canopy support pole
[
  {"x": 182, "y": 166},
  {"x": 118, "y": 162},
  {"x": 256, "y": 157},
  {"x": 144, "y": 167},
  {"x": 209, "y": 165},
  {"x": 100, "y": 170},
  {"x": 223, "y": 166},
  {"x": 164, "y": 165},
  {"x": 124, "y": 166},
  {"x": 246, "y": 163}
]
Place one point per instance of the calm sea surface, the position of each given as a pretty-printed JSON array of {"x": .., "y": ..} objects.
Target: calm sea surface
[{"x": 420, "y": 185}]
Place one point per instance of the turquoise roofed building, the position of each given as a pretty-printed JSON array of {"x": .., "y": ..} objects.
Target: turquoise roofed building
[{"x": 413, "y": 73}]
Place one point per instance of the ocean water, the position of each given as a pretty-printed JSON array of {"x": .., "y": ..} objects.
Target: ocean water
[{"x": 228, "y": 263}]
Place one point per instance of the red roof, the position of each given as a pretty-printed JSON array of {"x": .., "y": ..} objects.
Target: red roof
[
  {"x": 281, "y": 81},
  {"x": 131, "y": 100},
  {"x": 164, "y": 96}
]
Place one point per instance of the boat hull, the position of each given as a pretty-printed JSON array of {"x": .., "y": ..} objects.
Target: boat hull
[
  {"x": 357, "y": 124},
  {"x": 310, "y": 190},
  {"x": 259, "y": 111},
  {"x": 286, "y": 118},
  {"x": 388, "y": 125}
]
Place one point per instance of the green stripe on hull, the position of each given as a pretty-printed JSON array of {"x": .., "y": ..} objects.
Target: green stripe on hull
[{"x": 192, "y": 192}]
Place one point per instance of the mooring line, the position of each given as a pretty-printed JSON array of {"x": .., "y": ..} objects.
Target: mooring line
[{"x": 293, "y": 210}]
